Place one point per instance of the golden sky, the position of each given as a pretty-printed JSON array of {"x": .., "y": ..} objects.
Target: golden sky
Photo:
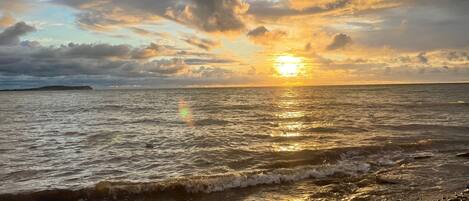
[{"x": 184, "y": 43}]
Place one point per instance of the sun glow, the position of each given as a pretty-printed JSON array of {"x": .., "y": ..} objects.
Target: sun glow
[{"x": 288, "y": 66}]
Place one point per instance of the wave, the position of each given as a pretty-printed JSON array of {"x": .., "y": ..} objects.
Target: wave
[
  {"x": 291, "y": 159},
  {"x": 288, "y": 167},
  {"x": 433, "y": 127},
  {"x": 208, "y": 122},
  {"x": 336, "y": 129},
  {"x": 409, "y": 105},
  {"x": 145, "y": 120},
  {"x": 432, "y": 104},
  {"x": 123, "y": 190}
]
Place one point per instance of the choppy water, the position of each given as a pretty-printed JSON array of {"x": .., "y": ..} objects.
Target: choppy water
[{"x": 306, "y": 143}]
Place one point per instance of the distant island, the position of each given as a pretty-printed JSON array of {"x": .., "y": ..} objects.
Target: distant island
[{"x": 53, "y": 88}]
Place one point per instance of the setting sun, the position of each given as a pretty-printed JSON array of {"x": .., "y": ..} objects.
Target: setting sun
[{"x": 288, "y": 66}]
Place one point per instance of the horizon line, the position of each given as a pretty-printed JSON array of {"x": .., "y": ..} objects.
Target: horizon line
[{"x": 285, "y": 86}]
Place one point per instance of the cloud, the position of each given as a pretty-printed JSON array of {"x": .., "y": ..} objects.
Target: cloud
[
  {"x": 301, "y": 4},
  {"x": 308, "y": 47},
  {"x": 211, "y": 15},
  {"x": 10, "y": 36},
  {"x": 262, "y": 35},
  {"x": 205, "y": 15},
  {"x": 104, "y": 16},
  {"x": 166, "y": 66},
  {"x": 107, "y": 19},
  {"x": 402, "y": 67},
  {"x": 456, "y": 56},
  {"x": 95, "y": 50},
  {"x": 71, "y": 60},
  {"x": 451, "y": 58},
  {"x": 153, "y": 50},
  {"x": 193, "y": 53},
  {"x": 30, "y": 58},
  {"x": 422, "y": 58},
  {"x": 30, "y": 44},
  {"x": 212, "y": 72},
  {"x": 420, "y": 25},
  {"x": 36, "y": 65},
  {"x": 98, "y": 51},
  {"x": 202, "y": 43},
  {"x": 284, "y": 9},
  {"x": 279, "y": 9},
  {"x": 144, "y": 32},
  {"x": 261, "y": 30},
  {"x": 208, "y": 15},
  {"x": 339, "y": 41},
  {"x": 198, "y": 61}
]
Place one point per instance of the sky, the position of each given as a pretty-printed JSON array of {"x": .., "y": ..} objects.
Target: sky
[{"x": 204, "y": 43}]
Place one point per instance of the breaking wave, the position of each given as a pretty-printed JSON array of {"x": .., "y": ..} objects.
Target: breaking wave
[{"x": 123, "y": 190}]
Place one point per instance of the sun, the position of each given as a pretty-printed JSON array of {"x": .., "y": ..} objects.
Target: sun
[{"x": 288, "y": 66}]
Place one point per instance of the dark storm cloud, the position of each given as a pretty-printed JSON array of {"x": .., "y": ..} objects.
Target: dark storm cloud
[
  {"x": 11, "y": 35},
  {"x": 202, "y": 43},
  {"x": 339, "y": 41}
]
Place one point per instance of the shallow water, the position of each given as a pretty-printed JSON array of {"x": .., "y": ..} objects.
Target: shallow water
[{"x": 304, "y": 143}]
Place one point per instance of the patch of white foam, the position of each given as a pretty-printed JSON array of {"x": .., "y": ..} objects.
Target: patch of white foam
[
  {"x": 218, "y": 183},
  {"x": 242, "y": 180}
]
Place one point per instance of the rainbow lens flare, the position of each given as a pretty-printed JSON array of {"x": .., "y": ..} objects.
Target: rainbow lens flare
[{"x": 185, "y": 112}]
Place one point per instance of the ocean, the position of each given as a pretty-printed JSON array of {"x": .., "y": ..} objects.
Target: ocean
[{"x": 379, "y": 142}]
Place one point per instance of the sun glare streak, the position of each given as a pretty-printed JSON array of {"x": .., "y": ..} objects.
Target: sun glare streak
[{"x": 288, "y": 66}]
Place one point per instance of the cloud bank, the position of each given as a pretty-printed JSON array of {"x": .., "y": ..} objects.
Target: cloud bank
[{"x": 112, "y": 62}]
